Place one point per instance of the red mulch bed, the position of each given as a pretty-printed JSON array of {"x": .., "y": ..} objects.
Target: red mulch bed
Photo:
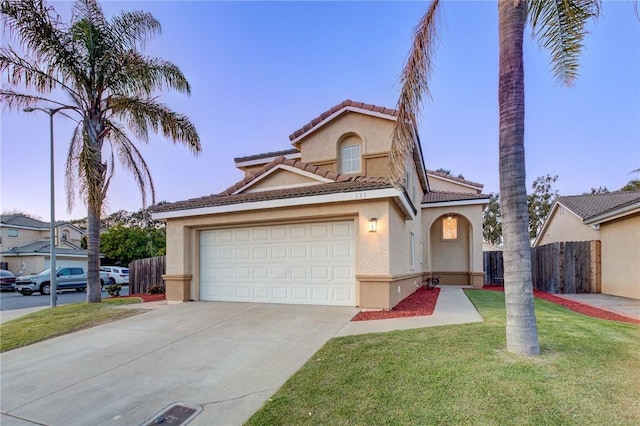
[
  {"x": 421, "y": 303},
  {"x": 145, "y": 297},
  {"x": 581, "y": 308}
]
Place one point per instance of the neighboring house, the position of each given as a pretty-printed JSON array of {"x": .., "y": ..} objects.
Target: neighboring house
[
  {"x": 25, "y": 248},
  {"x": 613, "y": 219},
  {"x": 321, "y": 224}
]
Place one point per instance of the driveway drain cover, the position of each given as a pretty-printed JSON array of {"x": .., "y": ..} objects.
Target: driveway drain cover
[{"x": 175, "y": 415}]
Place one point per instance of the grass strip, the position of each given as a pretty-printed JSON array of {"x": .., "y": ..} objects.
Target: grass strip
[
  {"x": 587, "y": 374},
  {"x": 52, "y": 322}
]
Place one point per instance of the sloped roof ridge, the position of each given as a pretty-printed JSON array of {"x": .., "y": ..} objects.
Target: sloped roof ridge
[
  {"x": 455, "y": 178},
  {"x": 443, "y": 196},
  {"x": 18, "y": 219},
  {"x": 266, "y": 155},
  {"x": 276, "y": 194},
  {"x": 296, "y": 163},
  {"x": 590, "y": 205},
  {"x": 336, "y": 108}
]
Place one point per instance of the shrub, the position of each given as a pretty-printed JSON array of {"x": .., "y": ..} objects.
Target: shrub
[
  {"x": 432, "y": 281},
  {"x": 113, "y": 289},
  {"x": 156, "y": 290}
]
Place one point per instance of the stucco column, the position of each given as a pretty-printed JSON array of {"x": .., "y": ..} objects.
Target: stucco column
[{"x": 178, "y": 275}]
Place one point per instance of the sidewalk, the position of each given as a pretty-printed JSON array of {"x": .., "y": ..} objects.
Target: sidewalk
[
  {"x": 17, "y": 313},
  {"x": 453, "y": 307},
  {"x": 618, "y": 305}
]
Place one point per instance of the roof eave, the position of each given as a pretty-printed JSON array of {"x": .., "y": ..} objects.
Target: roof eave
[{"x": 614, "y": 214}]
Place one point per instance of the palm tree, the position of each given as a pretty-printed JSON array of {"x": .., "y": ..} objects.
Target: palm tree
[
  {"x": 111, "y": 88},
  {"x": 560, "y": 27}
]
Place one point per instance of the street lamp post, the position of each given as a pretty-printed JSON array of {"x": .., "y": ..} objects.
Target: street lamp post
[{"x": 52, "y": 227}]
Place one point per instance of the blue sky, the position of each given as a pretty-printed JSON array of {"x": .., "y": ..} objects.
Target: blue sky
[{"x": 261, "y": 70}]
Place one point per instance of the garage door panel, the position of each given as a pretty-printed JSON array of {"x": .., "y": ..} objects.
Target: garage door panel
[{"x": 298, "y": 263}]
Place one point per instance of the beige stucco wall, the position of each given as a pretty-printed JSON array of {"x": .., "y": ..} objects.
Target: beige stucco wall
[
  {"x": 321, "y": 146},
  {"x": 438, "y": 184},
  {"x": 32, "y": 264},
  {"x": 621, "y": 257},
  {"x": 372, "y": 249},
  {"x": 279, "y": 179},
  {"x": 75, "y": 236},
  {"x": 564, "y": 225},
  {"x": 25, "y": 236}
]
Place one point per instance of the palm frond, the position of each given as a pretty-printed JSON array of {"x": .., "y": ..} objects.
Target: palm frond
[
  {"x": 40, "y": 31},
  {"x": 415, "y": 85},
  {"x": 135, "y": 74},
  {"x": 131, "y": 158},
  {"x": 142, "y": 114},
  {"x": 71, "y": 172},
  {"x": 559, "y": 26},
  {"x": 134, "y": 29},
  {"x": 19, "y": 101}
]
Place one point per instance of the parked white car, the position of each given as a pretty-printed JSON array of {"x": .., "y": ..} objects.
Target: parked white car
[{"x": 118, "y": 273}]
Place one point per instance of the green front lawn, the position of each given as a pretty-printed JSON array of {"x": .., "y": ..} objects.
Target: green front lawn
[
  {"x": 52, "y": 322},
  {"x": 588, "y": 374}
]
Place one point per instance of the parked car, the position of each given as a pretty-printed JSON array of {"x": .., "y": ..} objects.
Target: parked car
[
  {"x": 7, "y": 280},
  {"x": 118, "y": 273},
  {"x": 67, "y": 279}
]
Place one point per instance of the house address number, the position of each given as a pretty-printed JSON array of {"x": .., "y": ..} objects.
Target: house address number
[{"x": 361, "y": 195}]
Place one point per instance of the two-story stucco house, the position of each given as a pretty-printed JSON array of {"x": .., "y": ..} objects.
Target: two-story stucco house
[
  {"x": 320, "y": 223},
  {"x": 25, "y": 248}
]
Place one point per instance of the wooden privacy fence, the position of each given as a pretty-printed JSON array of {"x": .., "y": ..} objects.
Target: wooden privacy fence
[
  {"x": 146, "y": 273},
  {"x": 562, "y": 267}
]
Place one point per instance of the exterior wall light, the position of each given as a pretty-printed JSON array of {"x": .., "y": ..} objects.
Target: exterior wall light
[{"x": 373, "y": 224}]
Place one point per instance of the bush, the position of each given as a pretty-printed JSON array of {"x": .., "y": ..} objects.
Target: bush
[
  {"x": 156, "y": 290},
  {"x": 113, "y": 289},
  {"x": 432, "y": 281}
]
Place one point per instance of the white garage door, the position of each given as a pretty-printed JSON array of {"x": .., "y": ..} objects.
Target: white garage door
[{"x": 307, "y": 263}]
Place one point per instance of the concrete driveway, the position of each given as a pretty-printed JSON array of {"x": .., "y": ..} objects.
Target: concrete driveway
[{"x": 226, "y": 358}]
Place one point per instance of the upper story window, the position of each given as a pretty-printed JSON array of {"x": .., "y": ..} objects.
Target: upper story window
[
  {"x": 65, "y": 235},
  {"x": 12, "y": 232},
  {"x": 350, "y": 159}
]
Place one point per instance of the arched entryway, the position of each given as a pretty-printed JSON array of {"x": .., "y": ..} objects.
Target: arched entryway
[{"x": 450, "y": 248}]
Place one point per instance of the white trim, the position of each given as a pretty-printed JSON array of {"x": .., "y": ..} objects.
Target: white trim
[
  {"x": 614, "y": 214},
  {"x": 304, "y": 173},
  {"x": 457, "y": 182},
  {"x": 267, "y": 160},
  {"x": 340, "y": 112},
  {"x": 455, "y": 203},
  {"x": 30, "y": 228},
  {"x": 339, "y": 197}
]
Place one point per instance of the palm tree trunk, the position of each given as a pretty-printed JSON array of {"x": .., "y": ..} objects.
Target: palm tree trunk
[
  {"x": 94, "y": 291},
  {"x": 522, "y": 333}
]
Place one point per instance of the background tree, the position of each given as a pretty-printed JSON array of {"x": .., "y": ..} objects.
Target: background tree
[
  {"x": 492, "y": 221},
  {"x": 107, "y": 86},
  {"x": 632, "y": 185},
  {"x": 122, "y": 244},
  {"x": 539, "y": 202},
  {"x": 599, "y": 190},
  {"x": 560, "y": 28}
]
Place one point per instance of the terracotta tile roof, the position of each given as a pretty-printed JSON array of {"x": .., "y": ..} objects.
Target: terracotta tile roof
[
  {"x": 355, "y": 184},
  {"x": 287, "y": 162},
  {"x": 266, "y": 155},
  {"x": 590, "y": 205},
  {"x": 337, "y": 108},
  {"x": 444, "y": 196},
  {"x": 454, "y": 178}
]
